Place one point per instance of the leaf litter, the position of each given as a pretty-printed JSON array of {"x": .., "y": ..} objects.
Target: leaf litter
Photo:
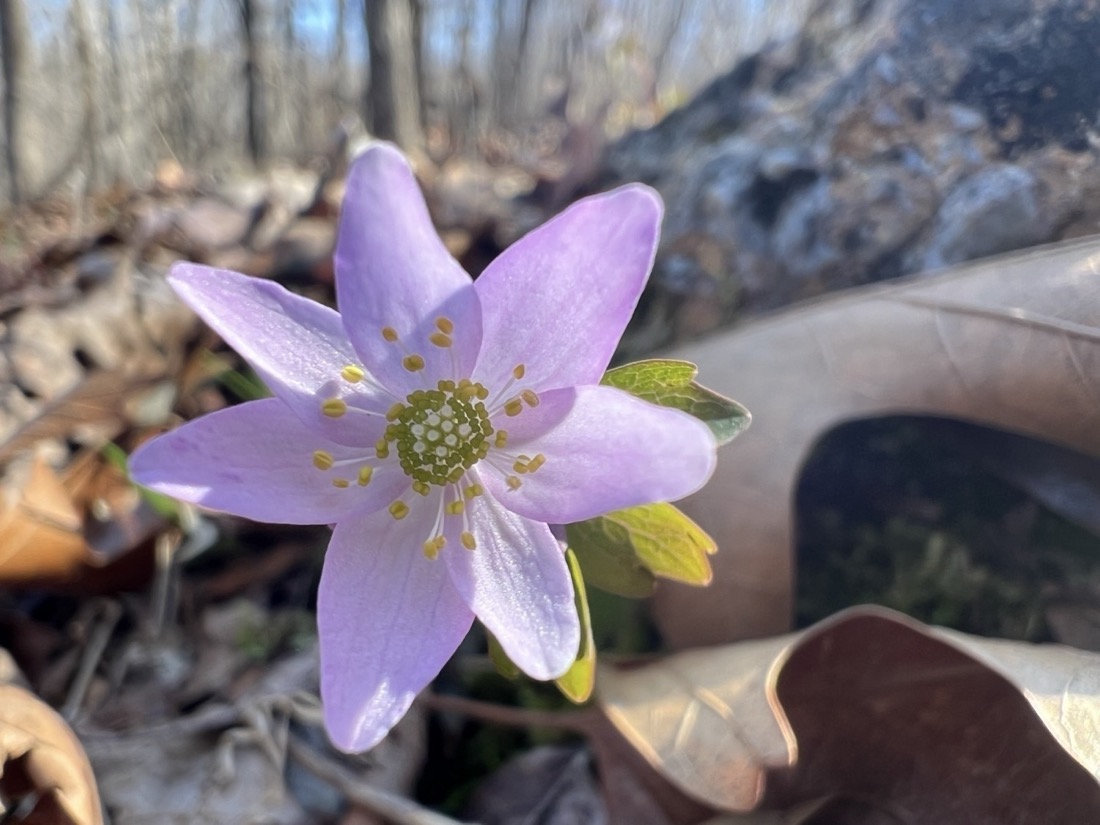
[{"x": 199, "y": 686}]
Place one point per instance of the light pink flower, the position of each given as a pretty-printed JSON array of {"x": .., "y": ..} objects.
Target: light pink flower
[{"x": 440, "y": 424}]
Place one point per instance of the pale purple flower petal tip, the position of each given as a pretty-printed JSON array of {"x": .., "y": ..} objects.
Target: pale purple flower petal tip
[{"x": 441, "y": 424}]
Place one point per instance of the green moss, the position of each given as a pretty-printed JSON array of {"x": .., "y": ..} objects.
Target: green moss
[{"x": 901, "y": 512}]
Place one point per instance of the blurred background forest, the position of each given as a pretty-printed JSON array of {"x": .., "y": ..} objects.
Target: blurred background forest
[{"x": 100, "y": 91}]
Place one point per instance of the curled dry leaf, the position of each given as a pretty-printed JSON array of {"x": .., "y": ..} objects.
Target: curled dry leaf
[
  {"x": 873, "y": 711},
  {"x": 40, "y": 756},
  {"x": 40, "y": 526},
  {"x": 56, "y": 526},
  {"x": 1012, "y": 342}
]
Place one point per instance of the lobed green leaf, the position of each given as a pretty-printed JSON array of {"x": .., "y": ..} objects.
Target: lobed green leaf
[{"x": 672, "y": 383}]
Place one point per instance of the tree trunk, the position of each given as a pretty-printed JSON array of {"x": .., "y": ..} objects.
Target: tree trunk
[
  {"x": 340, "y": 56},
  {"x": 87, "y": 56},
  {"x": 253, "y": 81},
  {"x": 338, "y": 67},
  {"x": 465, "y": 104},
  {"x": 111, "y": 100},
  {"x": 393, "y": 94},
  {"x": 417, "y": 9},
  {"x": 186, "y": 86},
  {"x": 523, "y": 61},
  {"x": 15, "y": 44}
]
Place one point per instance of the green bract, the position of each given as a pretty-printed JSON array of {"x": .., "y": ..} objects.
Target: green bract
[
  {"x": 672, "y": 384},
  {"x": 624, "y": 551}
]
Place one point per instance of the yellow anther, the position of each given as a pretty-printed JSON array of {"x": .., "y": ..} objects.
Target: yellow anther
[
  {"x": 399, "y": 510},
  {"x": 473, "y": 491},
  {"x": 440, "y": 339},
  {"x": 389, "y": 334},
  {"x": 513, "y": 482},
  {"x": 531, "y": 397},
  {"x": 413, "y": 363},
  {"x": 468, "y": 540},
  {"x": 421, "y": 487},
  {"x": 456, "y": 507},
  {"x": 394, "y": 411},
  {"x": 365, "y": 473},
  {"x": 455, "y": 475},
  {"x": 467, "y": 391},
  {"x": 382, "y": 448},
  {"x": 322, "y": 460},
  {"x": 444, "y": 325},
  {"x": 334, "y": 407},
  {"x": 342, "y": 483},
  {"x": 353, "y": 374},
  {"x": 513, "y": 407},
  {"x": 519, "y": 371},
  {"x": 433, "y": 546},
  {"x": 446, "y": 385},
  {"x": 501, "y": 438},
  {"x": 520, "y": 467},
  {"x": 536, "y": 462}
]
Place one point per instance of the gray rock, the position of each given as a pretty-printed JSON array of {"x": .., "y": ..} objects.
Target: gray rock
[
  {"x": 887, "y": 137},
  {"x": 994, "y": 210}
]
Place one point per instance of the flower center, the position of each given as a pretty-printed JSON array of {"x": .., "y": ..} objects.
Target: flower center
[{"x": 439, "y": 434}]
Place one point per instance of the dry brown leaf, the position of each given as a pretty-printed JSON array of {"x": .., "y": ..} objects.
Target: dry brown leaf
[
  {"x": 1012, "y": 342},
  {"x": 55, "y": 526},
  {"x": 116, "y": 516},
  {"x": 40, "y": 528},
  {"x": 40, "y": 755},
  {"x": 892, "y": 720},
  {"x": 106, "y": 400}
]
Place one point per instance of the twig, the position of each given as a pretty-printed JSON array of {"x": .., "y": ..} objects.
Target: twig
[
  {"x": 162, "y": 598},
  {"x": 398, "y": 809},
  {"x": 576, "y": 721},
  {"x": 93, "y": 652}
]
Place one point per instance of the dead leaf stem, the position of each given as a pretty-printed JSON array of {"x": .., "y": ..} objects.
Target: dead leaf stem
[{"x": 394, "y": 808}]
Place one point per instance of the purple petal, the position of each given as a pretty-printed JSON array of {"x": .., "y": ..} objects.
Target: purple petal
[
  {"x": 605, "y": 450},
  {"x": 388, "y": 620},
  {"x": 297, "y": 346},
  {"x": 518, "y": 584},
  {"x": 392, "y": 270},
  {"x": 256, "y": 460},
  {"x": 559, "y": 299}
]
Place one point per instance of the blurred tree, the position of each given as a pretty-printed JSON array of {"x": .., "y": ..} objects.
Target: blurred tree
[
  {"x": 184, "y": 110},
  {"x": 393, "y": 95},
  {"x": 87, "y": 54},
  {"x": 105, "y": 90},
  {"x": 15, "y": 43},
  {"x": 253, "y": 80},
  {"x": 512, "y": 42},
  {"x": 339, "y": 62}
]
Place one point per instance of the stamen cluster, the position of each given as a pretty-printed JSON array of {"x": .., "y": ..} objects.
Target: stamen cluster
[{"x": 439, "y": 434}]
